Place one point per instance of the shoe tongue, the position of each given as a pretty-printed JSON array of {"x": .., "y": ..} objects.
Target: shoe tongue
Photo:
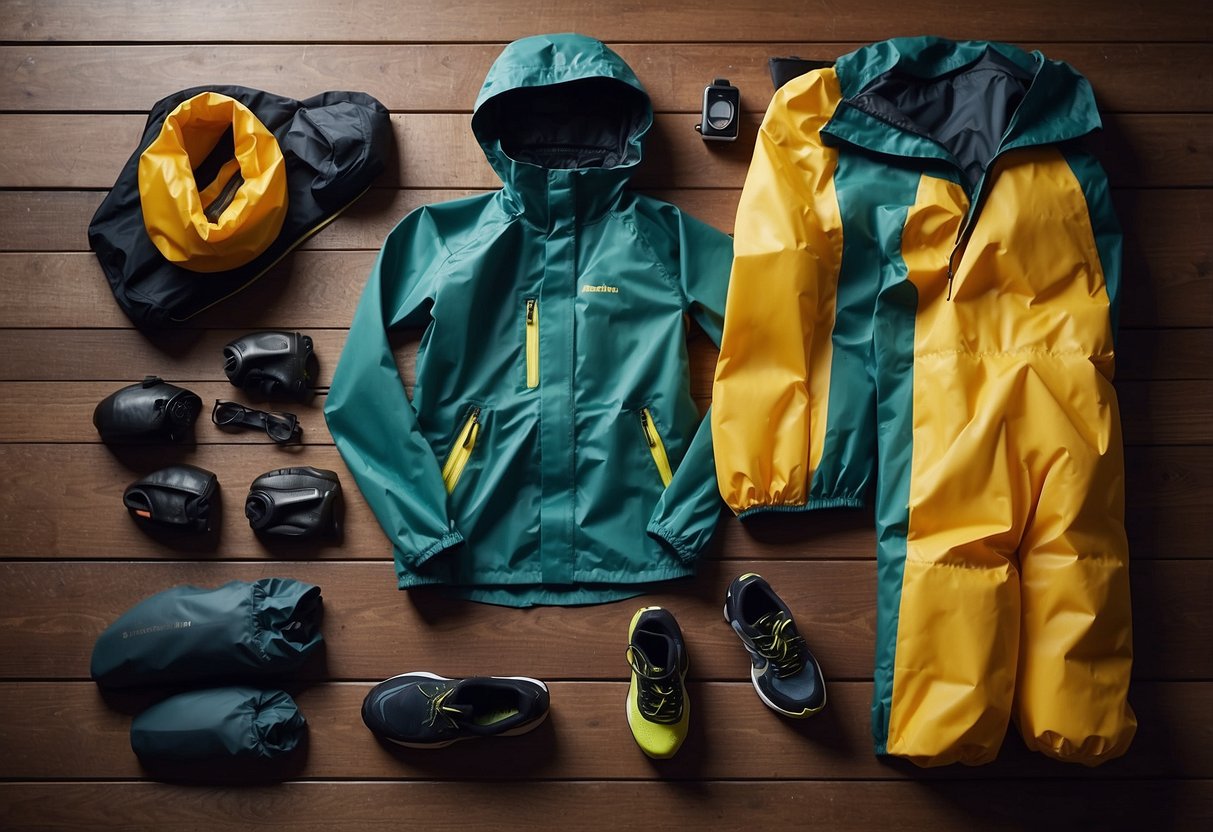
[
  {"x": 458, "y": 703},
  {"x": 663, "y": 660}
]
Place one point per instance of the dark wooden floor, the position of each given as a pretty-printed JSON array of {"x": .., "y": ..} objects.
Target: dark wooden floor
[{"x": 77, "y": 78}]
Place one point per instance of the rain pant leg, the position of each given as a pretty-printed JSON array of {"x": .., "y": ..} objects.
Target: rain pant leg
[{"x": 1002, "y": 560}]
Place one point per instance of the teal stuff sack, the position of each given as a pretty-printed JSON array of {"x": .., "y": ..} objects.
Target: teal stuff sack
[
  {"x": 239, "y": 631},
  {"x": 218, "y": 724}
]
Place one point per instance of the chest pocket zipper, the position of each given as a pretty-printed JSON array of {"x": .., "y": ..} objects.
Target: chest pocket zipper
[
  {"x": 656, "y": 446},
  {"x": 532, "y": 343},
  {"x": 461, "y": 451}
]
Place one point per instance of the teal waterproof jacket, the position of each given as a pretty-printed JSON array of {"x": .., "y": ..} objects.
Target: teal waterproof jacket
[{"x": 551, "y": 452}]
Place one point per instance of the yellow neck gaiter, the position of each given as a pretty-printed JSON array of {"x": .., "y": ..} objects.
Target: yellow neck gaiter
[{"x": 226, "y": 222}]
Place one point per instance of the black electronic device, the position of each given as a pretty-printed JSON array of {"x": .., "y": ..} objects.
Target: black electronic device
[
  {"x": 179, "y": 496},
  {"x": 295, "y": 502},
  {"x": 273, "y": 365},
  {"x": 149, "y": 411},
  {"x": 720, "y": 118}
]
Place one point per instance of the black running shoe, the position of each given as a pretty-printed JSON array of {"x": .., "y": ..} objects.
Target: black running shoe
[
  {"x": 785, "y": 674},
  {"x": 422, "y": 710}
]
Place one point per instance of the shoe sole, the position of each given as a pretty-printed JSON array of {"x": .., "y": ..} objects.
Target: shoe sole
[
  {"x": 513, "y": 732},
  {"x": 805, "y": 714},
  {"x": 627, "y": 710}
]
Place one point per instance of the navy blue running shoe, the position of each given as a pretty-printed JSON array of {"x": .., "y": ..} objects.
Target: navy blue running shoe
[
  {"x": 785, "y": 674},
  {"x": 423, "y": 710}
]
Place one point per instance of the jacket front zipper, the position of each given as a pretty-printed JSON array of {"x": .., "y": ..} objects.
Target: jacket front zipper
[
  {"x": 461, "y": 452},
  {"x": 532, "y": 342},
  {"x": 656, "y": 446}
]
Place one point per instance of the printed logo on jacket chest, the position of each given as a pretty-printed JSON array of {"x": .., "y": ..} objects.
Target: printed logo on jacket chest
[{"x": 601, "y": 288}]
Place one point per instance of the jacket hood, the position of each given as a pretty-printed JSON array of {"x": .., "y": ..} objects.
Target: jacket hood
[{"x": 559, "y": 107}]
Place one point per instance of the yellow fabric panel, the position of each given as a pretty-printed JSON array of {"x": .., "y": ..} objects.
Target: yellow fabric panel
[
  {"x": 1015, "y": 593},
  {"x": 174, "y": 211},
  {"x": 773, "y": 375}
]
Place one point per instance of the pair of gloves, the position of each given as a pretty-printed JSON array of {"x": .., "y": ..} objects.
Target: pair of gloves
[{"x": 240, "y": 632}]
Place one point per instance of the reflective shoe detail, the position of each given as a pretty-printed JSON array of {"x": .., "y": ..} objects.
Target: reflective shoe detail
[
  {"x": 424, "y": 710},
  {"x": 784, "y": 671},
  {"x": 658, "y": 707}
]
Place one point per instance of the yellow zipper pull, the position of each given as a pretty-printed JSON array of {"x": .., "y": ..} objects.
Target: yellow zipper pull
[
  {"x": 532, "y": 342},
  {"x": 656, "y": 446},
  {"x": 461, "y": 451},
  {"x": 473, "y": 421},
  {"x": 648, "y": 431}
]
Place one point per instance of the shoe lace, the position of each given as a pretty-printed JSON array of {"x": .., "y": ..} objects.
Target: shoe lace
[
  {"x": 439, "y": 709},
  {"x": 779, "y": 643},
  {"x": 659, "y": 697}
]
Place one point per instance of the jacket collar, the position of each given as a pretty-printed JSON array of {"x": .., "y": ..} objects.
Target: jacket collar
[{"x": 1058, "y": 105}]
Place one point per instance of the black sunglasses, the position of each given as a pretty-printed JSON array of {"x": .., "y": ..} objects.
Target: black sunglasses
[{"x": 281, "y": 427}]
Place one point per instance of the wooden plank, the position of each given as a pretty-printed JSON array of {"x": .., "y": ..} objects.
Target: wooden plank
[
  {"x": 74, "y": 402},
  {"x": 1154, "y": 412},
  {"x": 593, "y": 806},
  {"x": 438, "y": 150},
  {"x": 47, "y": 514},
  {"x": 673, "y": 21},
  {"x": 65, "y": 414},
  {"x": 55, "y": 611},
  {"x": 1135, "y": 77},
  {"x": 58, "y": 220},
  {"x": 587, "y": 738},
  {"x": 1168, "y": 261},
  {"x": 123, "y": 356}
]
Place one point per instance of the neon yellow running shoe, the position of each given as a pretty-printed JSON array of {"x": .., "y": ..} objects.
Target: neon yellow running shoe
[{"x": 659, "y": 709}]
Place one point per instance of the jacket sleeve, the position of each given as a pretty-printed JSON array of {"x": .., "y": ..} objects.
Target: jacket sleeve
[
  {"x": 772, "y": 377},
  {"x": 689, "y": 509},
  {"x": 371, "y": 420}
]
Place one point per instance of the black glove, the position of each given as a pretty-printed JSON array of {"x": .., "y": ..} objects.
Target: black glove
[
  {"x": 179, "y": 496},
  {"x": 272, "y": 364},
  {"x": 150, "y": 410},
  {"x": 295, "y": 502}
]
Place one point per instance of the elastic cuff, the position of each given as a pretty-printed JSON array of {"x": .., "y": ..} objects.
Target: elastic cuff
[
  {"x": 678, "y": 546},
  {"x": 811, "y": 505},
  {"x": 446, "y": 542}
]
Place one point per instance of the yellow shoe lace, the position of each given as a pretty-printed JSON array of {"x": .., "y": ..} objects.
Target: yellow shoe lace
[
  {"x": 658, "y": 695},
  {"x": 780, "y": 643},
  {"x": 438, "y": 707}
]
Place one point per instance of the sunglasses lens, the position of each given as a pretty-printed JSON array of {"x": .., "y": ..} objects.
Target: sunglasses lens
[
  {"x": 226, "y": 413},
  {"x": 278, "y": 427}
]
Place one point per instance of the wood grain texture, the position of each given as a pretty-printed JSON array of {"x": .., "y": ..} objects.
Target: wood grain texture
[
  {"x": 55, "y": 611},
  {"x": 438, "y": 150},
  {"x": 1151, "y": 412},
  {"x": 79, "y": 75},
  {"x": 601, "y": 806},
  {"x": 1133, "y": 78},
  {"x": 1168, "y": 266},
  {"x": 611, "y": 20},
  {"x": 48, "y": 514},
  {"x": 1168, "y": 258},
  {"x": 587, "y": 738}
]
